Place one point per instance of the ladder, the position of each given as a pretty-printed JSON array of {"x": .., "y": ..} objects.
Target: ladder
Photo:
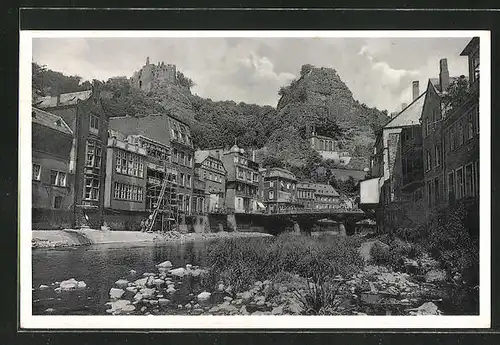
[{"x": 158, "y": 205}]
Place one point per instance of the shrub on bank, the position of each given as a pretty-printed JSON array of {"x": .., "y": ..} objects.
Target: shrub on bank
[{"x": 240, "y": 262}]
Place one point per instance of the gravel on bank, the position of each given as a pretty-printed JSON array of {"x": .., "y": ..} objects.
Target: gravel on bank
[{"x": 72, "y": 237}]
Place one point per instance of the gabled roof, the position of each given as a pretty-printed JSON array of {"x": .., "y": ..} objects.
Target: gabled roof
[
  {"x": 437, "y": 86},
  {"x": 50, "y": 120},
  {"x": 409, "y": 115},
  {"x": 319, "y": 188},
  {"x": 200, "y": 156},
  {"x": 473, "y": 44},
  {"x": 65, "y": 99}
]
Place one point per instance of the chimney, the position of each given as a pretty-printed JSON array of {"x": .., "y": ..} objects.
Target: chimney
[
  {"x": 444, "y": 75},
  {"x": 416, "y": 89},
  {"x": 96, "y": 89},
  {"x": 403, "y": 105}
]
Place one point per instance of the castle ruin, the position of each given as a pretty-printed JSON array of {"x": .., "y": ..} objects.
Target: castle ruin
[{"x": 151, "y": 75}]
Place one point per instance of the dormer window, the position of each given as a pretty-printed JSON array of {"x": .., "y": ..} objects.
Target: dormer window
[{"x": 94, "y": 124}]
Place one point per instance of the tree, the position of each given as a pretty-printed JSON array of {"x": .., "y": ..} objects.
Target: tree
[
  {"x": 272, "y": 162},
  {"x": 184, "y": 81},
  {"x": 457, "y": 93},
  {"x": 306, "y": 69}
]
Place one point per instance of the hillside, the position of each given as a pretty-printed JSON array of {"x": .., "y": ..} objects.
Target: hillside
[{"x": 318, "y": 96}]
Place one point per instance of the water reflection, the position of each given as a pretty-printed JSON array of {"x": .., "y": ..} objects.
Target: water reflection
[{"x": 100, "y": 266}]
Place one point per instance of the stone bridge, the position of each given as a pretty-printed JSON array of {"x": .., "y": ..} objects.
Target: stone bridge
[{"x": 298, "y": 220}]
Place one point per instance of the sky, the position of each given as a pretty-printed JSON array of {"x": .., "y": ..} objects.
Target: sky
[{"x": 378, "y": 71}]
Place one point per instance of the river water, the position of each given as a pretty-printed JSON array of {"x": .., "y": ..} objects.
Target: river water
[{"x": 99, "y": 266}]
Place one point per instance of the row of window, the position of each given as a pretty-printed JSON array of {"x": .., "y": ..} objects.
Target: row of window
[
  {"x": 438, "y": 157},
  {"x": 155, "y": 150},
  {"x": 240, "y": 160},
  {"x": 185, "y": 180},
  {"x": 94, "y": 124},
  {"x": 57, "y": 178},
  {"x": 129, "y": 164},
  {"x": 462, "y": 130},
  {"x": 304, "y": 194},
  {"x": 128, "y": 192},
  {"x": 283, "y": 185},
  {"x": 246, "y": 189},
  {"x": 327, "y": 145},
  {"x": 93, "y": 152},
  {"x": 247, "y": 175},
  {"x": 326, "y": 199},
  {"x": 92, "y": 186},
  {"x": 212, "y": 177},
  {"x": 182, "y": 158},
  {"x": 212, "y": 164}
]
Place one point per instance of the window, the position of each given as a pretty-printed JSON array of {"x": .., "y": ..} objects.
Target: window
[
  {"x": 470, "y": 126},
  {"x": 460, "y": 183},
  {"x": 460, "y": 133},
  {"x": 188, "y": 181},
  {"x": 58, "y": 178},
  {"x": 428, "y": 160},
  {"x": 190, "y": 160},
  {"x": 426, "y": 127},
  {"x": 271, "y": 194},
  {"x": 57, "y": 202},
  {"x": 437, "y": 190},
  {"x": 182, "y": 158},
  {"x": 182, "y": 179},
  {"x": 94, "y": 124},
  {"x": 36, "y": 172},
  {"x": 452, "y": 138},
  {"x": 451, "y": 185},
  {"x": 92, "y": 185},
  {"x": 271, "y": 184},
  {"x": 429, "y": 193},
  {"x": 437, "y": 154},
  {"x": 127, "y": 192},
  {"x": 93, "y": 154},
  {"x": 129, "y": 164},
  {"x": 469, "y": 187},
  {"x": 174, "y": 156},
  {"x": 475, "y": 66}
]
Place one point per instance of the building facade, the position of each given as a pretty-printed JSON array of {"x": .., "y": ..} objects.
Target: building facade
[
  {"x": 84, "y": 114},
  {"x": 242, "y": 183},
  {"x": 210, "y": 169},
  {"x": 173, "y": 134},
  {"x": 305, "y": 195},
  {"x": 279, "y": 190},
  {"x": 461, "y": 137},
  {"x": 318, "y": 196},
  {"x": 52, "y": 179}
]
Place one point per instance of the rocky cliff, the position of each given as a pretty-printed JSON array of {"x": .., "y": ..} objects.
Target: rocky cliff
[{"x": 319, "y": 96}]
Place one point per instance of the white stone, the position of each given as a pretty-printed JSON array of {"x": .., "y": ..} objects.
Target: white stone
[
  {"x": 165, "y": 264},
  {"x": 189, "y": 266},
  {"x": 81, "y": 285},
  {"x": 43, "y": 287},
  {"x": 228, "y": 299},
  {"x": 138, "y": 296},
  {"x": 120, "y": 306},
  {"x": 69, "y": 284},
  {"x": 159, "y": 282},
  {"x": 187, "y": 306},
  {"x": 132, "y": 272},
  {"x": 147, "y": 292},
  {"x": 132, "y": 289},
  {"x": 148, "y": 274},
  {"x": 115, "y": 293},
  {"x": 204, "y": 296},
  {"x": 141, "y": 282},
  {"x": 277, "y": 310},
  {"x": 49, "y": 310},
  {"x": 171, "y": 290},
  {"x": 220, "y": 287},
  {"x": 180, "y": 272},
  {"x": 58, "y": 289},
  {"x": 121, "y": 283},
  {"x": 163, "y": 301}
]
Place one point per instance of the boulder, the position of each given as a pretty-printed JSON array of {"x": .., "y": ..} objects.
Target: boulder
[
  {"x": 147, "y": 292},
  {"x": 121, "y": 283},
  {"x": 49, "y": 310},
  {"x": 43, "y": 287},
  {"x": 189, "y": 266},
  {"x": 243, "y": 310},
  {"x": 150, "y": 282},
  {"x": 141, "y": 282},
  {"x": 163, "y": 301},
  {"x": 188, "y": 306},
  {"x": 81, "y": 285},
  {"x": 148, "y": 274},
  {"x": 67, "y": 285},
  {"x": 277, "y": 311},
  {"x": 138, "y": 296},
  {"x": 120, "y": 307},
  {"x": 115, "y": 293},
  {"x": 158, "y": 282},
  {"x": 204, "y": 296},
  {"x": 179, "y": 272},
  {"x": 165, "y": 264},
  {"x": 427, "y": 308},
  {"x": 132, "y": 289},
  {"x": 435, "y": 275},
  {"x": 171, "y": 289},
  {"x": 132, "y": 272},
  {"x": 228, "y": 299},
  {"x": 247, "y": 295},
  {"x": 220, "y": 287}
]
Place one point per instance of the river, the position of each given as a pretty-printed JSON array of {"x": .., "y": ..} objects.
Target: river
[{"x": 99, "y": 266}]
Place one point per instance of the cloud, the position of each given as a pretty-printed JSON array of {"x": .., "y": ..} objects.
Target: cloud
[{"x": 378, "y": 71}]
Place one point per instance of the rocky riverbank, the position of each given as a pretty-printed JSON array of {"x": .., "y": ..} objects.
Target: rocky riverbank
[{"x": 72, "y": 238}]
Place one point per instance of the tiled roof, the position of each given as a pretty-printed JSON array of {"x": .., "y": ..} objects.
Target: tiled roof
[
  {"x": 50, "y": 120},
  {"x": 200, "y": 156},
  {"x": 65, "y": 99},
  {"x": 409, "y": 115},
  {"x": 323, "y": 189}
]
